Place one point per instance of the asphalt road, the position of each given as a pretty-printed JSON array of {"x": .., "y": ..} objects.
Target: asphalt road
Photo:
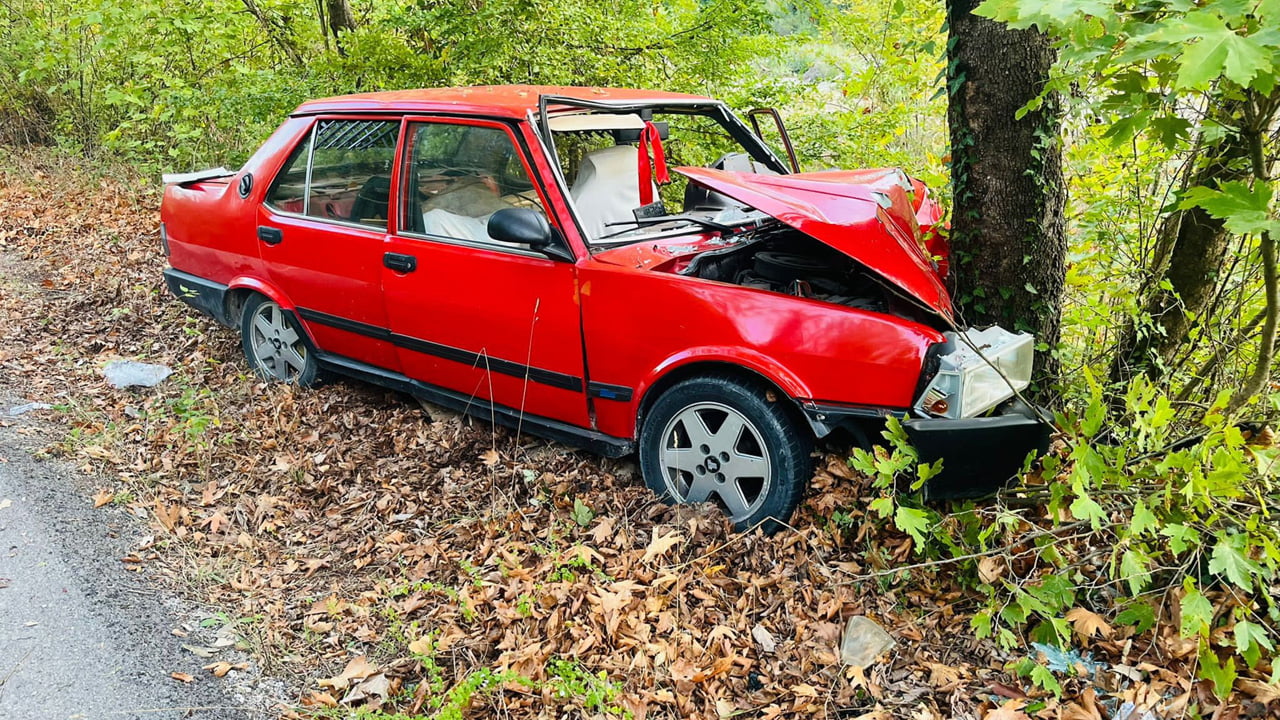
[{"x": 81, "y": 637}]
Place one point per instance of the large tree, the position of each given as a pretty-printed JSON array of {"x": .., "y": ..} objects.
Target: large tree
[{"x": 1007, "y": 240}]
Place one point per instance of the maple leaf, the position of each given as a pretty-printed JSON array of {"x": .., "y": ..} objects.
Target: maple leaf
[
  {"x": 659, "y": 545},
  {"x": 1089, "y": 624}
]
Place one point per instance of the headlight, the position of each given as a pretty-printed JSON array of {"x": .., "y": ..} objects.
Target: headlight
[{"x": 967, "y": 383}]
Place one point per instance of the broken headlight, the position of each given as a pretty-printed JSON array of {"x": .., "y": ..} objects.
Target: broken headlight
[{"x": 969, "y": 379}]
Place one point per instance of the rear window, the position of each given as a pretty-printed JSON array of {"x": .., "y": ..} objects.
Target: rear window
[{"x": 341, "y": 171}]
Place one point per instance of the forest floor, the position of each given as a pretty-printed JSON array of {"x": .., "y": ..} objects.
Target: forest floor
[{"x": 378, "y": 555}]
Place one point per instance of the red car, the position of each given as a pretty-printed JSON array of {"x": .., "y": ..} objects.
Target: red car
[{"x": 524, "y": 254}]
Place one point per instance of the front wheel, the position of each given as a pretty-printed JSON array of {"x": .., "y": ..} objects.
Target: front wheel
[
  {"x": 719, "y": 439},
  {"x": 275, "y": 345}
]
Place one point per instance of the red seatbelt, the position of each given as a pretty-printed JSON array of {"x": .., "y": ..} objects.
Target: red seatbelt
[{"x": 650, "y": 136}]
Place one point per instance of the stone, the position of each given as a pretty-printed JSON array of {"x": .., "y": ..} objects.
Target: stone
[{"x": 863, "y": 642}]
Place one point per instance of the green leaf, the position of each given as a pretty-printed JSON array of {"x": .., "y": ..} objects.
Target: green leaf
[
  {"x": 913, "y": 521},
  {"x": 1221, "y": 674},
  {"x": 1143, "y": 519},
  {"x": 1243, "y": 209},
  {"x": 882, "y": 506},
  {"x": 1251, "y": 639},
  {"x": 582, "y": 514},
  {"x": 1085, "y": 508},
  {"x": 1197, "y": 612},
  {"x": 1139, "y": 615},
  {"x": 1043, "y": 676},
  {"x": 1180, "y": 537},
  {"x": 1215, "y": 49},
  {"x": 1134, "y": 566},
  {"x": 1229, "y": 558}
]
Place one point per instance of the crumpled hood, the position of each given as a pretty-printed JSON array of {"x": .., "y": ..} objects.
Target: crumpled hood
[{"x": 840, "y": 209}]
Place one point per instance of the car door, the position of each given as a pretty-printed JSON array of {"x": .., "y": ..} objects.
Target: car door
[
  {"x": 484, "y": 319},
  {"x": 321, "y": 231}
]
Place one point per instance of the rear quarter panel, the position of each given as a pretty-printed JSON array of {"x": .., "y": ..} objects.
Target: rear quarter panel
[
  {"x": 212, "y": 230},
  {"x": 640, "y": 326}
]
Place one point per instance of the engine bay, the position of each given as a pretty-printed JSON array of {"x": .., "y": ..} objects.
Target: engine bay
[{"x": 786, "y": 261}]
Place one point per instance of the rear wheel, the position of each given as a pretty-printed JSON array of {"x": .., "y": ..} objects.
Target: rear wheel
[
  {"x": 720, "y": 439},
  {"x": 275, "y": 345}
]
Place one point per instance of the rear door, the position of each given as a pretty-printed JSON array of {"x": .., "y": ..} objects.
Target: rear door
[
  {"x": 321, "y": 231},
  {"x": 470, "y": 314}
]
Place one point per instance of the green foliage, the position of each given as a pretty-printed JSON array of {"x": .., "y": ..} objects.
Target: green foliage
[
  {"x": 1191, "y": 523},
  {"x": 892, "y": 466},
  {"x": 202, "y": 83}
]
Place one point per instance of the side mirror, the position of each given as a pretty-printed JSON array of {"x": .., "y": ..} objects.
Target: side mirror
[{"x": 521, "y": 226}]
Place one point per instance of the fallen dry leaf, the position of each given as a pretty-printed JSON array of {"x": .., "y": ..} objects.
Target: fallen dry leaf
[
  {"x": 660, "y": 545},
  {"x": 357, "y": 669},
  {"x": 103, "y": 497},
  {"x": 1088, "y": 624},
  {"x": 181, "y": 677}
]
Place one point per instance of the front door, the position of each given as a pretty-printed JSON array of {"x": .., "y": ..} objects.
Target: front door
[
  {"x": 321, "y": 232},
  {"x": 482, "y": 318}
]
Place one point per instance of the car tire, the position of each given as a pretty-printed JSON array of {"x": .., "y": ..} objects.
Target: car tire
[
  {"x": 275, "y": 344},
  {"x": 721, "y": 439}
]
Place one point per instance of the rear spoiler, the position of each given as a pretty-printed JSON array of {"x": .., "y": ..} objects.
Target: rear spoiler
[{"x": 194, "y": 177}]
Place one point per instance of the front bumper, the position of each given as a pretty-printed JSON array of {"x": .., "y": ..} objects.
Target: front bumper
[{"x": 979, "y": 455}]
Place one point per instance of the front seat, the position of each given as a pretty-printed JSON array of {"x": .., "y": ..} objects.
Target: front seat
[
  {"x": 607, "y": 189},
  {"x": 371, "y": 201}
]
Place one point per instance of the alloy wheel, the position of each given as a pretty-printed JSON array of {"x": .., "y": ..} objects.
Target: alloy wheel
[{"x": 710, "y": 449}]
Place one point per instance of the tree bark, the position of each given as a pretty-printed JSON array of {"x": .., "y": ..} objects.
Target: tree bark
[
  {"x": 1191, "y": 249},
  {"x": 1008, "y": 245},
  {"x": 340, "y": 19}
]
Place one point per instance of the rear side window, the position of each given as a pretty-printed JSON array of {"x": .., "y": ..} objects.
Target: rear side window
[{"x": 341, "y": 171}]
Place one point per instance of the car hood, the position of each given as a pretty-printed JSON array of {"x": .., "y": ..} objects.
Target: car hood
[{"x": 841, "y": 210}]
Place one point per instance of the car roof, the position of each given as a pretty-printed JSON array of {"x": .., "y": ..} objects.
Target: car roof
[{"x": 492, "y": 100}]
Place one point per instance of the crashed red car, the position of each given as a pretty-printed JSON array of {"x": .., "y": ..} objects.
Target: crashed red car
[{"x": 630, "y": 271}]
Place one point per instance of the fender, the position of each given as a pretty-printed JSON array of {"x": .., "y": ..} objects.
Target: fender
[
  {"x": 248, "y": 282},
  {"x": 744, "y": 358}
]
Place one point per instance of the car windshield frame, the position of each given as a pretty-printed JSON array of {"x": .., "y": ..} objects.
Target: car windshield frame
[{"x": 551, "y": 106}]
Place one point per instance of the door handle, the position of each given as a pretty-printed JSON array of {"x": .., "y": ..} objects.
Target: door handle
[
  {"x": 399, "y": 262},
  {"x": 270, "y": 235}
]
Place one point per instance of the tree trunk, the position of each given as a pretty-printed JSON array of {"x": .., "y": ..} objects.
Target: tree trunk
[
  {"x": 1191, "y": 249},
  {"x": 340, "y": 20},
  {"x": 1008, "y": 247}
]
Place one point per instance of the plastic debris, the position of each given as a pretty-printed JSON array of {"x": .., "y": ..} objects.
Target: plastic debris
[
  {"x": 17, "y": 410},
  {"x": 127, "y": 373},
  {"x": 863, "y": 642}
]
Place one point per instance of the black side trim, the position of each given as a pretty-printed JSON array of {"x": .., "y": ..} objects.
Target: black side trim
[
  {"x": 826, "y": 418},
  {"x": 204, "y": 295},
  {"x": 498, "y": 365},
  {"x": 605, "y": 391},
  {"x": 342, "y": 323},
  {"x": 606, "y": 445}
]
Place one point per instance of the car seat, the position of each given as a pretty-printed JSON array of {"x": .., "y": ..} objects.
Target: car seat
[
  {"x": 371, "y": 201},
  {"x": 607, "y": 189}
]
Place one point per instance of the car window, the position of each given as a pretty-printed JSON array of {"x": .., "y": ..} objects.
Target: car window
[
  {"x": 349, "y": 176},
  {"x": 289, "y": 192},
  {"x": 457, "y": 176}
]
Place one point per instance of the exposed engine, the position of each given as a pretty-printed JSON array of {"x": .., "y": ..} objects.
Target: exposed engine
[{"x": 791, "y": 263}]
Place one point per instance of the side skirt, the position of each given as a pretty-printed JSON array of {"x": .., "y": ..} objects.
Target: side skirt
[{"x": 596, "y": 442}]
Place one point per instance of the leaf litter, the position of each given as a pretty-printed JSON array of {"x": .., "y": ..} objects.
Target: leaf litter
[{"x": 392, "y": 558}]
